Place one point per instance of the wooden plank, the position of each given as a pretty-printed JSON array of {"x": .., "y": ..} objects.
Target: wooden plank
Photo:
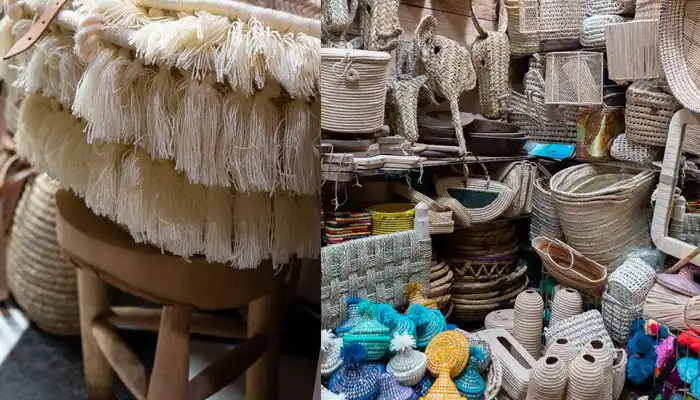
[
  {"x": 261, "y": 379},
  {"x": 203, "y": 324},
  {"x": 125, "y": 363},
  {"x": 484, "y": 9},
  {"x": 171, "y": 368}
]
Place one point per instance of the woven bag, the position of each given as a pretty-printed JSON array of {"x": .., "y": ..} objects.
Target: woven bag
[
  {"x": 353, "y": 90},
  {"x": 608, "y": 7},
  {"x": 520, "y": 176},
  {"x": 648, "y": 113},
  {"x": 42, "y": 281},
  {"x": 593, "y": 29},
  {"x": 622, "y": 149}
]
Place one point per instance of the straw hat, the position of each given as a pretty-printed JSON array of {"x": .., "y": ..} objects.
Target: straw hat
[
  {"x": 408, "y": 365},
  {"x": 330, "y": 352},
  {"x": 353, "y": 316},
  {"x": 369, "y": 332},
  {"x": 428, "y": 323},
  {"x": 389, "y": 389},
  {"x": 355, "y": 379}
]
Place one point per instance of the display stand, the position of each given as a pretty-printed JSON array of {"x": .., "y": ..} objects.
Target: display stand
[{"x": 106, "y": 255}]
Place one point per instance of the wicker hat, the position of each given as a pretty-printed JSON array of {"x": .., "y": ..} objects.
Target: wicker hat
[
  {"x": 408, "y": 365},
  {"x": 330, "y": 352},
  {"x": 683, "y": 282},
  {"x": 421, "y": 389},
  {"x": 470, "y": 383},
  {"x": 428, "y": 323},
  {"x": 389, "y": 389},
  {"x": 353, "y": 316},
  {"x": 355, "y": 379},
  {"x": 369, "y": 332},
  {"x": 443, "y": 388},
  {"x": 394, "y": 320}
]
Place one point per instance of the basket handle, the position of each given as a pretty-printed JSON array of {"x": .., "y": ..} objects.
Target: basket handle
[{"x": 573, "y": 258}]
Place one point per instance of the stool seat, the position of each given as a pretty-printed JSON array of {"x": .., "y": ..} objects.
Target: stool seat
[{"x": 101, "y": 245}]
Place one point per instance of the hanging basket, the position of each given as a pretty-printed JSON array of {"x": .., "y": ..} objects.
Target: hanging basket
[
  {"x": 42, "y": 281},
  {"x": 648, "y": 113},
  {"x": 353, "y": 90},
  {"x": 574, "y": 78},
  {"x": 630, "y": 58}
]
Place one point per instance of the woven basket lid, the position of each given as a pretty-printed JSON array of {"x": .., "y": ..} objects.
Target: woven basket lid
[
  {"x": 42, "y": 281},
  {"x": 357, "y": 381},
  {"x": 683, "y": 282},
  {"x": 364, "y": 56},
  {"x": 389, "y": 389},
  {"x": 422, "y": 388},
  {"x": 428, "y": 323},
  {"x": 353, "y": 316},
  {"x": 470, "y": 383}
]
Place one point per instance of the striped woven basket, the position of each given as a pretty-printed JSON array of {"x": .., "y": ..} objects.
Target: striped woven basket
[
  {"x": 392, "y": 217},
  {"x": 41, "y": 280}
]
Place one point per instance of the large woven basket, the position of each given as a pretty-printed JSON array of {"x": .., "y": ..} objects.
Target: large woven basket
[
  {"x": 603, "y": 210},
  {"x": 544, "y": 217},
  {"x": 41, "y": 280},
  {"x": 680, "y": 50},
  {"x": 648, "y": 113},
  {"x": 353, "y": 90}
]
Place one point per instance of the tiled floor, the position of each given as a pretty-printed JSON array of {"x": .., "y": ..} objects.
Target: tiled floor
[{"x": 296, "y": 375}]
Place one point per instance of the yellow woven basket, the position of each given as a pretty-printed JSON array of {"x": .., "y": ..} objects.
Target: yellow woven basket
[{"x": 392, "y": 217}]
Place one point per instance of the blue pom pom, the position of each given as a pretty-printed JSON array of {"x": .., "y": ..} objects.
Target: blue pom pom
[
  {"x": 386, "y": 314},
  {"x": 450, "y": 327},
  {"x": 353, "y": 353},
  {"x": 636, "y": 326},
  {"x": 418, "y": 314},
  {"x": 642, "y": 362},
  {"x": 353, "y": 300}
]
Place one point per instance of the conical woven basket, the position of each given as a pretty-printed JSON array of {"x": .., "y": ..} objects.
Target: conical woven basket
[{"x": 41, "y": 280}]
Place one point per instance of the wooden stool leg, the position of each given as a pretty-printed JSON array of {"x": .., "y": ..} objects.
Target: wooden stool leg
[
  {"x": 171, "y": 368},
  {"x": 264, "y": 317},
  {"x": 94, "y": 301}
]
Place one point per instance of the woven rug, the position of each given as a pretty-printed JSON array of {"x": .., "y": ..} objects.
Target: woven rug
[{"x": 377, "y": 268}]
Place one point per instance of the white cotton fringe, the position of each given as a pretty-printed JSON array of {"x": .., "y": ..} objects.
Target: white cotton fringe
[
  {"x": 157, "y": 204},
  {"x": 300, "y": 155}
]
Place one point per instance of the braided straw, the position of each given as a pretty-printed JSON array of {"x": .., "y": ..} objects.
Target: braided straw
[
  {"x": 353, "y": 90},
  {"x": 585, "y": 378},
  {"x": 449, "y": 349}
]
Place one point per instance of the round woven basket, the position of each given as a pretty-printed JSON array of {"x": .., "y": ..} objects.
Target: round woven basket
[
  {"x": 679, "y": 49},
  {"x": 392, "y": 217},
  {"x": 544, "y": 218},
  {"x": 353, "y": 90},
  {"x": 648, "y": 113},
  {"x": 41, "y": 280}
]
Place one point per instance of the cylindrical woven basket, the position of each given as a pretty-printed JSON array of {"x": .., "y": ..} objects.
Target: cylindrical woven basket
[
  {"x": 544, "y": 218},
  {"x": 603, "y": 210},
  {"x": 41, "y": 280},
  {"x": 392, "y": 217},
  {"x": 648, "y": 113},
  {"x": 353, "y": 90},
  {"x": 678, "y": 48},
  {"x": 593, "y": 29},
  {"x": 527, "y": 327},
  {"x": 619, "y": 371}
]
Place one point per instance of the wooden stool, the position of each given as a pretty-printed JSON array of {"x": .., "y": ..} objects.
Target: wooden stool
[{"x": 105, "y": 254}]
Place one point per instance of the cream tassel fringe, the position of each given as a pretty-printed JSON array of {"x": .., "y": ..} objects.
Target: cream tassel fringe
[
  {"x": 262, "y": 156},
  {"x": 136, "y": 80},
  {"x": 7, "y": 40},
  {"x": 87, "y": 94},
  {"x": 108, "y": 121},
  {"x": 252, "y": 220},
  {"x": 103, "y": 181},
  {"x": 300, "y": 156},
  {"x": 236, "y": 110},
  {"x": 306, "y": 231},
  {"x": 117, "y": 13},
  {"x": 160, "y": 111},
  {"x": 130, "y": 200},
  {"x": 31, "y": 138},
  {"x": 74, "y": 171},
  {"x": 219, "y": 230},
  {"x": 284, "y": 232}
]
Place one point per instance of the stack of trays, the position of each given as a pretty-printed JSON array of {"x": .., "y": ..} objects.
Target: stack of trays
[
  {"x": 440, "y": 284},
  {"x": 341, "y": 227},
  {"x": 435, "y": 130}
]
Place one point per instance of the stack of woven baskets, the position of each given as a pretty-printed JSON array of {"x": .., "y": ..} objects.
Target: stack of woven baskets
[
  {"x": 484, "y": 260},
  {"x": 41, "y": 280},
  {"x": 544, "y": 218},
  {"x": 441, "y": 278}
]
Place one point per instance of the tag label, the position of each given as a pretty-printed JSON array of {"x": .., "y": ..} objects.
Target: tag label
[{"x": 35, "y": 32}]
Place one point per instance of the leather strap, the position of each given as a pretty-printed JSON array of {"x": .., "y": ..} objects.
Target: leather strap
[{"x": 36, "y": 30}]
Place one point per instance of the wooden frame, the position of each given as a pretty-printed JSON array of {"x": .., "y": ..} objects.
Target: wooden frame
[{"x": 666, "y": 189}]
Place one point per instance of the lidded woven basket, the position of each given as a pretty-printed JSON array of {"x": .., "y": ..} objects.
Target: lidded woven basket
[
  {"x": 42, "y": 281},
  {"x": 648, "y": 113},
  {"x": 353, "y": 90}
]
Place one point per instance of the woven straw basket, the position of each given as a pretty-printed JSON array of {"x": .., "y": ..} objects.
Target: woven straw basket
[
  {"x": 628, "y": 57},
  {"x": 41, "y": 280},
  {"x": 353, "y": 90},
  {"x": 679, "y": 50},
  {"x": 648, "y": 113},
  {"x": 593, "y": 29},
  {"x": 574, "y": 78},
  {"x": 392, "y": 217}
]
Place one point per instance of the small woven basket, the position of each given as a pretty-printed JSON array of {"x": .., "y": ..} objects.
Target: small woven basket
[
  {"x": 618, "y": 317},
  {"x": 630, "y": 58},
  {"x": 622, "y": 149},
  {"x": 41, "y": 280},
  {"x": 560, "y": 20},
  {"x": 392, "y": 217},
  {"x": 574, "y": 78},
  {"x": 593, "y": 29},
  {"x": 648, "y": 113},
  {"x": 610, "y": 7},
  {"x": 353, "y": 90}
]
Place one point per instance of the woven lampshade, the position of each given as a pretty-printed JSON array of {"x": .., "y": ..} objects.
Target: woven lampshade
[{"x": 42, "y": 281}]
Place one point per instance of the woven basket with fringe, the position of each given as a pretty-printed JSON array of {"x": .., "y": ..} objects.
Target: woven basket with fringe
[
  {"x": 648, "y": 113},
  {"x": 593, "y": 29},
  {"x": 603, "y": 210},
  {"x": 610, "y": 7},
  {"x": 353, "y": 90},
  {"x": 392, "y": 217},
  {"x": 41, "y": 280},
  {"x": 544, "y": 217},
  {"x": 376, "y": 268},
  {"x": 623, "y": 150}
]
